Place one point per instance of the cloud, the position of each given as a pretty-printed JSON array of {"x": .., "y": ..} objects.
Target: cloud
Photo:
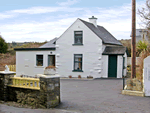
[
  {"x": 4, "y": 16},
  {"x": 67, "y": 3},
  {"x": 41, "y": 10},
  {"x": 37, "y": 10},
  {"x": 117, "y": 20}
]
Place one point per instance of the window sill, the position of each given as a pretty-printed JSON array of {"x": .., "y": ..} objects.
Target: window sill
[
  {"x": 39, "y": 66},
  {"x": 77, "y": 71},
  {"x": 77, "y": 44}
]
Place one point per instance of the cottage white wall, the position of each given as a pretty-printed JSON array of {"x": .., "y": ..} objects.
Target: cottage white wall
[
  {"x": 105, "y": 66},
  {"x": 91, "y": 50},
  {"x": 26, "y": 62}
]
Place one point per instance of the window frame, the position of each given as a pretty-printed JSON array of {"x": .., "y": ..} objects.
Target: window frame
[
  {"x": 40, "y": 59},
  {"x": 75, "y": 38},
  {"x": 48, "y": 59},
  {"x": 74, "y": 70}
]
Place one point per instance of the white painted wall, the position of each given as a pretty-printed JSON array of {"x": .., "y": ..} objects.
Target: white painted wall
[
  {"x": 105, "y": 66},
  {"x": 26, "y": 62},
  {"x": 146, "y": 76},
  {"x": 129, "y": 60},
  {"x": 91, "y": 50}
]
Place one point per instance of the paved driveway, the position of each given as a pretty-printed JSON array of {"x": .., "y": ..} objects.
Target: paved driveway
[
  {"x": 96, "y": 96},
  {"x": 101, "y": 95}
]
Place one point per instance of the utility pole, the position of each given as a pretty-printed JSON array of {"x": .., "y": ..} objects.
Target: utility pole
[{"x": 133, "y": 44}]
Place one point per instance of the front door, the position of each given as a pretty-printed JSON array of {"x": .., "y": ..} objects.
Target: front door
[
  {"x": 112, "y": 66},
  {"x": 51, "y": 60}
]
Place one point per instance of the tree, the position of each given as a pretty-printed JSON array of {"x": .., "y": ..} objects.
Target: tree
[
  {"x": 144, "y": 13},
  {"x": 3, "y": 45}
]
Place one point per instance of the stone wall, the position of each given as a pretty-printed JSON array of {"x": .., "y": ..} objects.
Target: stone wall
[
  {"x": 51, "y": 88},
  {"x": 134, "y": 85},
  {"x": 47, "y": 97},
  {"x": 1, "y": 87}
]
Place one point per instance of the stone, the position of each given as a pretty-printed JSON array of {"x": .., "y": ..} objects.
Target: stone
[{"x": 129, "y": 84}]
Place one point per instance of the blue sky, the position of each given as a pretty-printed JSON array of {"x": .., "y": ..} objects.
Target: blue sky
[{"x": 40, "y": 20}]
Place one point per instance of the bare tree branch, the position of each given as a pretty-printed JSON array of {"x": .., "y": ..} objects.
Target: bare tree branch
[{"x": 145, "y": 13}]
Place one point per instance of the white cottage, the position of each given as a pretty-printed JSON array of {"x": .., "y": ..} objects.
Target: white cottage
[{"x": 85, "y": 48}]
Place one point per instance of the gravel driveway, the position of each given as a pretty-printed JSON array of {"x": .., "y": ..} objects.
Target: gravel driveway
[{"x": 94, "y": 96}]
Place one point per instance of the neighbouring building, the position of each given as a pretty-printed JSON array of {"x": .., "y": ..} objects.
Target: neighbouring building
[
  {"x": 141, "y": 34},
  {"x": 85, "y": 48}
]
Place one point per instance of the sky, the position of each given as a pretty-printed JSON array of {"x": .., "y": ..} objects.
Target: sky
[{"x": 43, "y": 20}]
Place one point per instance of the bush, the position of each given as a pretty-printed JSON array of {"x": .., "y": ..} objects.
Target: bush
[
  {"x": 3, "y": 45},
  {"x": 139, "y": 71}
]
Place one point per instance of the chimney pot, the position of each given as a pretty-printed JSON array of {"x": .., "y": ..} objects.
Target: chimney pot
[{"x": 93, "y": 20}]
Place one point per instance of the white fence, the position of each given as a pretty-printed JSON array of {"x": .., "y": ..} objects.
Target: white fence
[{"x": 129, "y": 60}]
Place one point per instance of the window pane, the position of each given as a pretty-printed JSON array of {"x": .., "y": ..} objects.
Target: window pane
[
  {"x": 78, "y": 37},
  {"x": 78, "y": 56},
  {"x": 78, "y": 32},
  {"x": 78, "y": 66},
  {"x": 78, "y": 62},
  {"x": 78, "y": 40},
  {"x": 39, "y": 56},
  {"x": 39, "y": 61}
]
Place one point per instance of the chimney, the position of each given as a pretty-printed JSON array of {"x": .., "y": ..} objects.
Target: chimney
[{"x": 93, "y": 21}]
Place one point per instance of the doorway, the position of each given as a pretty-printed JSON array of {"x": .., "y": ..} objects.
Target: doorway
[
  {"x": 112, "y": 66},
  {"x": 51, "y": 60}
]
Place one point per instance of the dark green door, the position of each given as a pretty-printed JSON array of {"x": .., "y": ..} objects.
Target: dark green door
[{"x": 112, "y": 66}]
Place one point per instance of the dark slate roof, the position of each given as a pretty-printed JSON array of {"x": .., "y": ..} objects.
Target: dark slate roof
[
  {"x": 114, "y": 50},
  {"x": 102, "y": 33},
  {"x": 50, "y": 44}
]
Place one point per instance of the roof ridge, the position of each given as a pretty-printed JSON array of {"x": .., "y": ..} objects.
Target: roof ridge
[
  {"x": 102, "y": 33},
  {"x": 89, "y": 22}
]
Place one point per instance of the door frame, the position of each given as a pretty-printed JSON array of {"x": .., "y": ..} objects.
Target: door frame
[
  {"x": 54, "y": 59},
  {"x": 116, "y": 65}
]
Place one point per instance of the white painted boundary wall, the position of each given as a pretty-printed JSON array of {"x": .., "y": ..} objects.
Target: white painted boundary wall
[
  {"x": 129, "y": 60},
  {"x": 146, "y": 76}
]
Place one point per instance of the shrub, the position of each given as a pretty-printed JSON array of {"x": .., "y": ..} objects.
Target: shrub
[
  {"x": 3, "y": 45},
  {"x": 139, "y": 72}
]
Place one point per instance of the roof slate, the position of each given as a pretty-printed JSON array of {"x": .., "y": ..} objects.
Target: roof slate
[
  {"x": 102, "y": 33},
  {"x": 50, "y": 44},
  {"x": 114, "y": 50}
]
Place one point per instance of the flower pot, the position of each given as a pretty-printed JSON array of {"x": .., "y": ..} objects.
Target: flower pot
[
  {"x": 49, "y": 71},
  {"x": 70, "y": 76},
  {"x": 79, "y": 76}
]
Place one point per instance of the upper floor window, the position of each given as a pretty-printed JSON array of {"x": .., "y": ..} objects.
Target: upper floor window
[
  {"x": 39, "y": 60},
  {"x": 78, "y": 37}
]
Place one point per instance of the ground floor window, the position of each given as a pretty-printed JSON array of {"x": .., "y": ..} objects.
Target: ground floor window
[
  {"x": 77, "y": 62},
  {"x": 39, "y": 60}
]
